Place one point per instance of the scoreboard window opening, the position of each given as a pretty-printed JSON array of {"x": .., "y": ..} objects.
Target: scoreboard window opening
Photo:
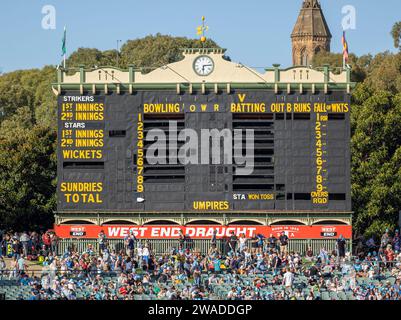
[
  {"x": 164, "y": 170},
  {"x": 336, "y": 116},
  {"x": 301, "y": 116},
  {"x": 253, "y": 116},
  {"x": 280, "y": 196},
  {"x": 337, "y": 196},
  {"x": 164, "y": 179},
  {"x": 302, "y": 196},
  {"x": 164, "y": 116},
  {"x": 253, "y": 187},
  {"x": 117, "y": 133},
  {"x": 282, "y": 116},
  {"x": 253, "y": 125},
  {"x": 83, "y": 165}
]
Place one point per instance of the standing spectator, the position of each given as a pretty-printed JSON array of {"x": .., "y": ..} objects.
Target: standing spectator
[
  {"x": 397, "y": 241},
  {"x": 102, "y": 240},
  {"x": 21, "y": 265},
  {"x": 242, "y": 242},
  {"x": 187, "y": 241},
  {"x": 13, "y": 268},
  {"x": 145, "y": 255},
  {"x": 283, "y": 243},
  {"x": 24, "y": 240},
  {"x": 272, "y": 242},
  {"x": 35, "y": 242},
  {"x": 276, "y": 263},
  {"x": 53, "y": 243},
  {"x": 15, "y": 246},
  {"x": 323, "y": 255},
  {"x": 217, "y": 264},
  {"x": 130, "y": 243},
  {"x": 233, "y": 242},
  {"x": 3, "y": 246},
  {"x": 213, "y": 241},
  {"x": 3, "y": 267},
  {"x": 390, "y": 255},
  {"x": 288, "y": 278},
  {"x": 226, "y": 244},
  {"x": 385, "y": 240},
  {"x": 181, "y": 240},
  {"x": 259, "y": 241},
  {"x": 309, "y": 254},
  {"x": 341, "y": 247},
  {"x": 46, "y": 240}
]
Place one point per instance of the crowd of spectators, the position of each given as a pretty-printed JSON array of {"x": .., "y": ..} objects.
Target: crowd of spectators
[{"x": 261, "y": 268}]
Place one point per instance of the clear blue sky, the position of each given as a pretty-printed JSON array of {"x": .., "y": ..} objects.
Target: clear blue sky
[{"x": 255, "y": 32}]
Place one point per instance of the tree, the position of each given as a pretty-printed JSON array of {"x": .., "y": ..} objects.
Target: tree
[
  {"x": 90, "y": 58},
  {"x": 359, "y": 66},
  {"x": 396, "y": 34},
  {"x": 155, "y": 51},
  {"x": 27, "y": 173}
]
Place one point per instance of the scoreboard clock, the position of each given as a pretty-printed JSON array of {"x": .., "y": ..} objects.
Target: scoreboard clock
[{"x": 203, "y": 66}]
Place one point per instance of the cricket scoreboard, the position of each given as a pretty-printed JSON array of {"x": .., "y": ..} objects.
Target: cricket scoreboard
[{"x": 155, "y": 151}]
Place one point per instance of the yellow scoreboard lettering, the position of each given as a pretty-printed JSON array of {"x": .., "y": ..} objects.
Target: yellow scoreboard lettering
[
  {"x": 82, "y": 154},
  {"x": 302, "y": 107},
  {"x": 80, "y": 107},
  {"x": 277, "y": 107},
  {"x": 161, "y": 108},
  {"x": 82, "y": 192},
  {"x": 211, "y": 205},
  {"x": 260, "y": 196},
  {"x": 339, "y": 107}
]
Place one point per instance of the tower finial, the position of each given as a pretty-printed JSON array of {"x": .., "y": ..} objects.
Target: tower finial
[{"x": 201, "y": 31}]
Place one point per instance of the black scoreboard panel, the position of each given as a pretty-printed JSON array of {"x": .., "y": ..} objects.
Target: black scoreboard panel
[{"x": 301, "y": 152}]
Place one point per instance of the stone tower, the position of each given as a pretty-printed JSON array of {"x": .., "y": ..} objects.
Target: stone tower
[{"x": 311, "y": 33}]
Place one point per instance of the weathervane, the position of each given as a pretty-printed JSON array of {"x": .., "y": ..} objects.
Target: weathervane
[{"x": 201, "y": 31}]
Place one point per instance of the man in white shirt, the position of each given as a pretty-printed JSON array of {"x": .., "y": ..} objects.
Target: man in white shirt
[
  {"x": 139, "y": 253},
  {"x": 288, "y": 278}
]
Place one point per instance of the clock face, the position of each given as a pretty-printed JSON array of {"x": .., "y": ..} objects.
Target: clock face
[{"x": 203, "y": 65}]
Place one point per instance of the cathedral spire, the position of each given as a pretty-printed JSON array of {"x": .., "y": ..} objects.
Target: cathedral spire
[
  {"x": 311, "y": 4},
  {"x": 311, "y": 33}
]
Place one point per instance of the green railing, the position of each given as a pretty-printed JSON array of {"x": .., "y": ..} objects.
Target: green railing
[{"x": 163, "y": 246}]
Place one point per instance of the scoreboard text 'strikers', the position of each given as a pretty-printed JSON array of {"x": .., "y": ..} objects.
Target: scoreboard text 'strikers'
[{"x": 234, "y": 143}]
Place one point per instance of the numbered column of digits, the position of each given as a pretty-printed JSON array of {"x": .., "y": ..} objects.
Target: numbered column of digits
[
  {"x": 140, "y": 153},
  {"x": 319, "y": 196}
]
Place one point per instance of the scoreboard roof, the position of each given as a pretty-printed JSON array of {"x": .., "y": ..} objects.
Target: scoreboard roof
[{"x": 182, "y": 75}]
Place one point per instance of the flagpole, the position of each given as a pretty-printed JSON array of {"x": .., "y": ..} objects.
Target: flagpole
[
  {"x": 64, "y": 48},
  {"x": 343, "y": 61}
]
